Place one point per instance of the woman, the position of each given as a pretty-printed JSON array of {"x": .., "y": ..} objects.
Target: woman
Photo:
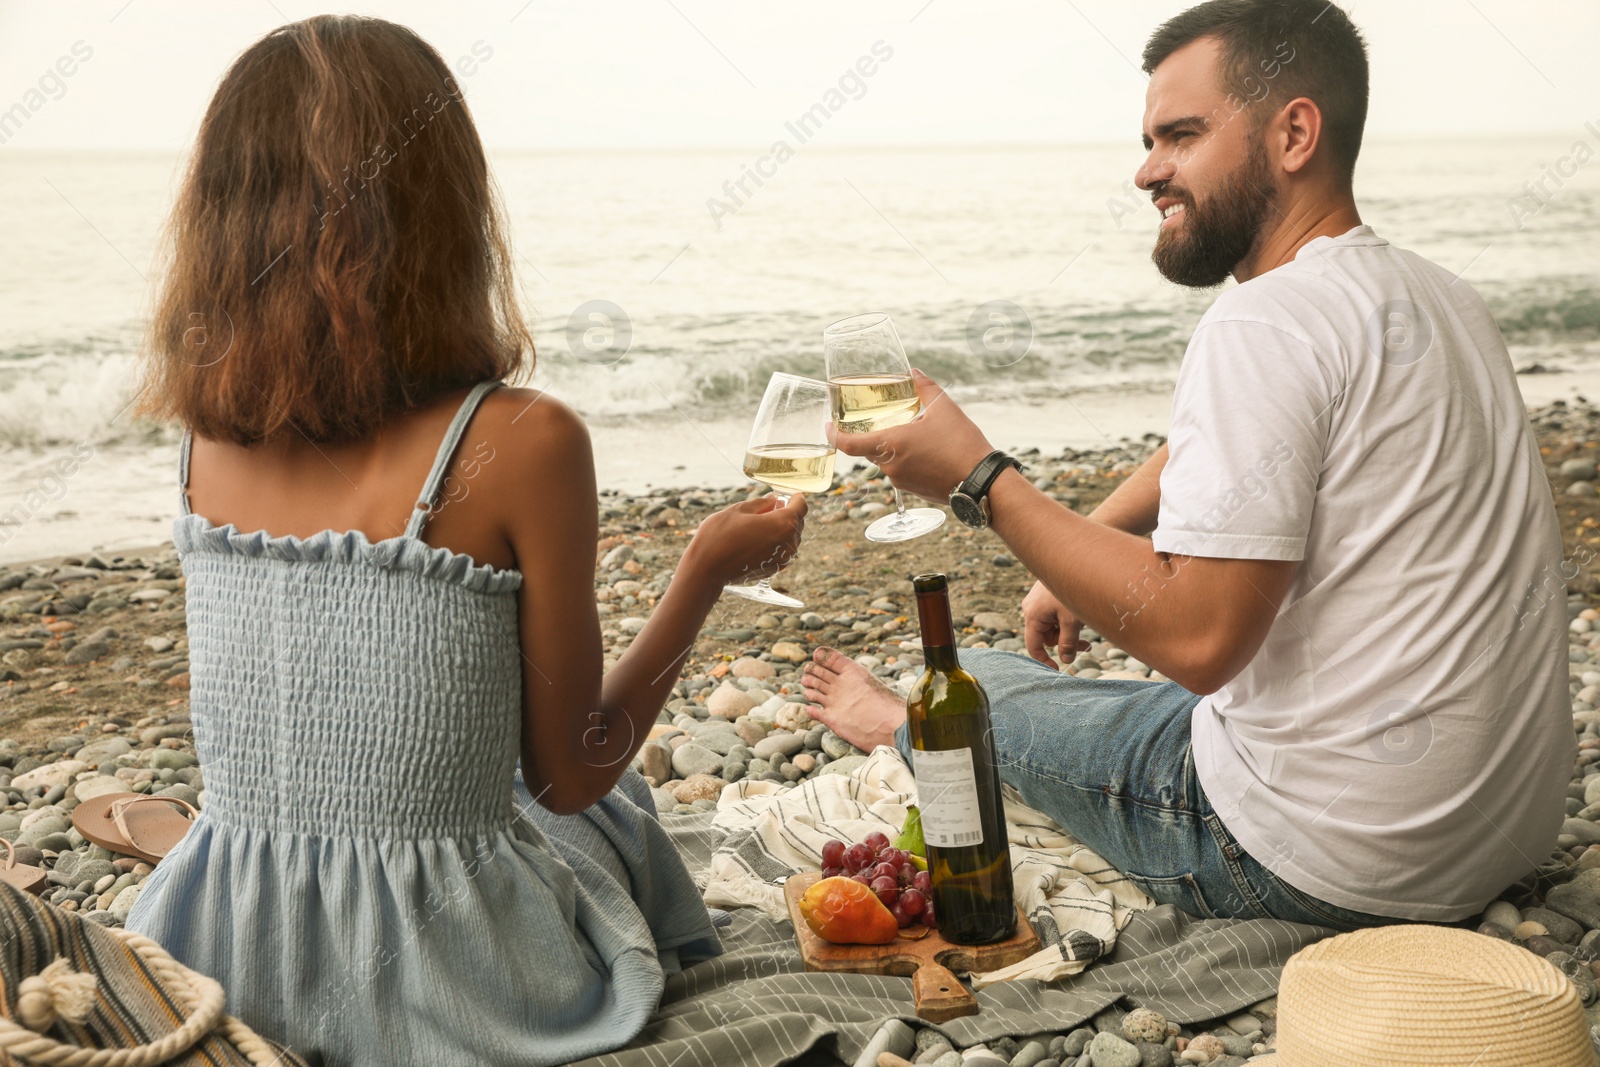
[{"x": 368, "y": 664}]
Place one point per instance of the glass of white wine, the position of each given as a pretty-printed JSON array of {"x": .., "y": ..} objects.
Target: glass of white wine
[
  {"x": 789, "y": 452},
  {"x": 869, "y": 379}
]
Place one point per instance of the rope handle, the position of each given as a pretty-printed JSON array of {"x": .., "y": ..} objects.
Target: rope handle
[{"x": 200, "y": 995}]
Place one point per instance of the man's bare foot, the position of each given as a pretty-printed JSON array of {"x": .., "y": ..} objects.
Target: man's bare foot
[{"x": 850, "y": 701}]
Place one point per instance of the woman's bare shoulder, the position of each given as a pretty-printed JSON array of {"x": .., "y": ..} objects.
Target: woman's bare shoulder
[{"x": 532, "y": 419}]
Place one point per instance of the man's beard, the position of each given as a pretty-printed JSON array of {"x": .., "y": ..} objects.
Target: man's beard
[{"x": 1217, "y": 233}]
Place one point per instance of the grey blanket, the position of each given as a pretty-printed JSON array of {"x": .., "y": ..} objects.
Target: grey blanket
[{"x": 756, "y": 1006}]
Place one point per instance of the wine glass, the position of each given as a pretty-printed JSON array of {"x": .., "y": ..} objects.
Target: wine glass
[
  {"x": 789, "y": 452},
  {"x": 869, "y": 378}
]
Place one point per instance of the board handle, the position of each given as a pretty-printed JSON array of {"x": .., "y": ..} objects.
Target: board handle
[{"x": 939, "y": 994}]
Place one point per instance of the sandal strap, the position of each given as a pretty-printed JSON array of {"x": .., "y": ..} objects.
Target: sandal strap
[
  {"x": 11, "y": 853},
  {"x": 119, "y": 807}
]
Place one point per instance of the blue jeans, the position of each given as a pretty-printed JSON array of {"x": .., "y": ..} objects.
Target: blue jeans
[{"x": 1110, "y": 761}]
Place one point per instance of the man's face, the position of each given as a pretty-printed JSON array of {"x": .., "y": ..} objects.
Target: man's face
[{"x": 1207, "y": 168}]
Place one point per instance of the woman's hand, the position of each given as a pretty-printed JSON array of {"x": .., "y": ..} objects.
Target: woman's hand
[
  {"x": 1047, "y": 623},
  {"x": 747, "y": 540}
]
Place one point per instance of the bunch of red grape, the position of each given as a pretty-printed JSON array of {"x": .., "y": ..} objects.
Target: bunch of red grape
[{"x": 888, "y": 872}]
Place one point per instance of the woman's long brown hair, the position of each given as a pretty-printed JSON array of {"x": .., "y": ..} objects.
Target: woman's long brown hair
[{"x": 337, "y": 251}]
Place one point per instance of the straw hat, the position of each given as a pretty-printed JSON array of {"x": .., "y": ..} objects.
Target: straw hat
[{"x": 1414, "y": 995}]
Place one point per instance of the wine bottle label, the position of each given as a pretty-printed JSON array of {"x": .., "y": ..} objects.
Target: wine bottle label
[{"x": 947, "y": 793}]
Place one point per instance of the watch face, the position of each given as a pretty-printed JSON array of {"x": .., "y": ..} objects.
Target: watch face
[{"x": 968, "y": 510}]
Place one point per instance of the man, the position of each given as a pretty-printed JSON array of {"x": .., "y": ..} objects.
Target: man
[{"x": 1353, "y": 578}]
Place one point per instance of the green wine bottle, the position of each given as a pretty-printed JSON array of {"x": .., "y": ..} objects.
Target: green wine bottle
[{"x": 958, "y": 784}]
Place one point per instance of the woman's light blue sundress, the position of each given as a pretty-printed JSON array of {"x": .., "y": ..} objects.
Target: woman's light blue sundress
[{"x": 370, "y": 879}]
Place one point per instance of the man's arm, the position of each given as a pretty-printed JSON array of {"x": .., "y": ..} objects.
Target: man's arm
[
  {"x": 1209, "y": 615},
  {"x": 1135, "y": 504}
]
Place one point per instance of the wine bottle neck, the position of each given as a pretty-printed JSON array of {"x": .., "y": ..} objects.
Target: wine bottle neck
[
  {"x": 940, "y": 657},
  {"x": 938, "y": 632}
]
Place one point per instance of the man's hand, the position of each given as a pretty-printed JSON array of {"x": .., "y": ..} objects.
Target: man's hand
[
  {"x": 928, "y": 455},
  {"x": 1047, "y": 623}
]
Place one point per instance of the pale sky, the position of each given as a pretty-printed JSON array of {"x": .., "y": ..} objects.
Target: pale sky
[{"x": 660, "y": 73}]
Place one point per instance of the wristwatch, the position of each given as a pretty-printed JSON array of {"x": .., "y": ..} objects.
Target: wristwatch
[{"x": 970, "y": 498}]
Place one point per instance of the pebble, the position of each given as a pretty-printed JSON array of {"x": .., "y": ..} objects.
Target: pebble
[
  {"x": 88, "y": 652},
  {"x": 1030, "y": 1054},
  {"x": 729, "y": 701},
  {"x": 1075, "y": 1042},
  {"x": 655, "y": 761},
  {"x": 1109, "y": 1050},
  {"x": 171, "y": 759},
  {"x": 1575, "y": 903},
  {"x": 1556, "y": 925},
  {"x": 837, "y": 747},
  {"x": 123, "y": 902},
  {"x": 933, "y": 1050},
  {"x": 1502, "y": 913},
  {"x": 694, "y": 758},
  {"x": 1143, "y": 1024},
  {"x": 103, "y": 749},
  {"x": 1153, "y": 1055},
  {"x": 780, "y": 742},
  {"x": 747, "y": 667},
  {"x": 1237, "y": 1044},
  {"x": 698, "y": 787},
  {"x": 50, "y": 775},
  {"x": 98, "y": 786},
  {"x": 843, "y": 765},
  {"x": 893, "y": 1036},
  {"x": 790, "y": 652},
  {"x": 794, "y": 716}
]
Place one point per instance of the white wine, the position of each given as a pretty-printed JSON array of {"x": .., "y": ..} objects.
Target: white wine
[
  {"x": 791, "y": 468},
  {"x": 958, "y": 783},
  {"x": 863, "y": 403}
]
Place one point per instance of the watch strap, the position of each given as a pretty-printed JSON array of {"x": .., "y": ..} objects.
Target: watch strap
[{"x": 976, "y": 485}]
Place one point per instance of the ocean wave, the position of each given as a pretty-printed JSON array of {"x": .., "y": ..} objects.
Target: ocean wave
[{"x": 68, "y": 390}]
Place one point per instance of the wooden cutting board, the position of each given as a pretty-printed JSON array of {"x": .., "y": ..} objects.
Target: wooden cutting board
[{"x": 930, "y": 962}]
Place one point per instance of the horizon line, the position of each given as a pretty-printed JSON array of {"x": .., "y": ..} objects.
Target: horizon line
[{"x": 868, "y": 146}]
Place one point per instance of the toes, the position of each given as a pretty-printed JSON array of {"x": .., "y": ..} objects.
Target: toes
[
  {"x": 818, "y": 672},
  {"x": 832, "y": 659},
  {"x": 816, "y": 685}
]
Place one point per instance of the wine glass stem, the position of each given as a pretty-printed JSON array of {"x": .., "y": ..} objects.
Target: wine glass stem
[
  {"x": 900, "y": 509},
  {"x": 764, "y": 584}
]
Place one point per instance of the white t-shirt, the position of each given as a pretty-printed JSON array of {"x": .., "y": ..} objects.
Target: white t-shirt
[{"x": 1402, "y": 742}]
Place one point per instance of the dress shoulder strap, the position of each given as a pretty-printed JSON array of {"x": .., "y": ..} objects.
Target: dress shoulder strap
[
  {"x": 441, "y": 462},
  {"x": 183, "y": 470}
]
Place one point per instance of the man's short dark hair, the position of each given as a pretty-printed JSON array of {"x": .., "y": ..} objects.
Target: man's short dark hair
[{"x": 1283, "y": 49}]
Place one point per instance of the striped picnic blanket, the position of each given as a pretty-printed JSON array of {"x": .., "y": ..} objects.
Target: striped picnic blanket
[
  {"x": 1075, "y": 900},
  {"x": 134, "y": 1004},
  {"x": 757, "y": 1006}
]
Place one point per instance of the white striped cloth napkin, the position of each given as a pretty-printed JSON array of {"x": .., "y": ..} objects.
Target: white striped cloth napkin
[{"x": 1076, "y": 901}]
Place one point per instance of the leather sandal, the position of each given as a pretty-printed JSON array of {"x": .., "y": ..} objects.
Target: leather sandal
[
  {"x": 26, "y": 877},
  {"x": 117, "y": 822}
]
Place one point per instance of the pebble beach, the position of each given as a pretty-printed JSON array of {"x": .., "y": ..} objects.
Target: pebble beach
[{"x": 94, "y": 699}]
